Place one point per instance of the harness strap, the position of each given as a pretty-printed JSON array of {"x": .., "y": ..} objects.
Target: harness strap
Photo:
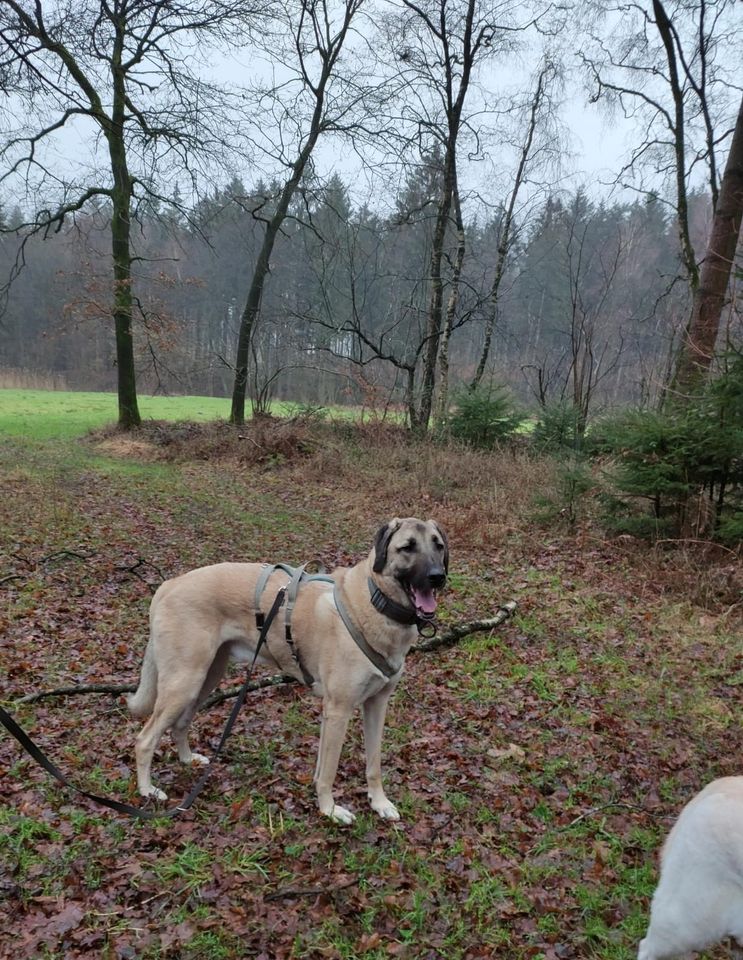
[
  {"x": 263, "y": 578},
  {"x": 376, "y": 658},
  {"x": 142, "y": 814},
  {"x": 296, "y": 576}
]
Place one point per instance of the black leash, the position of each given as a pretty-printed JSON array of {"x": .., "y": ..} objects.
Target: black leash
[{"x": 30, "y": 747}]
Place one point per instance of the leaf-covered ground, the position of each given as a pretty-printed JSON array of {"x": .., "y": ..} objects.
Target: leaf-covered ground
[{"x": 536, "y": 768}]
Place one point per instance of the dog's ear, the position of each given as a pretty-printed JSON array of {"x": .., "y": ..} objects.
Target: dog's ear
[
  {"x": 444, "y": 537},
  {"x": 382, "y": 542}
]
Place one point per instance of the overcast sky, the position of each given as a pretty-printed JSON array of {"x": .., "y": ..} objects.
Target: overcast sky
[{"x": 592, "y": 146}]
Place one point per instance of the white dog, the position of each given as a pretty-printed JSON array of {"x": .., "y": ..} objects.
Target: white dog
[{"x": 699, "y": 899}]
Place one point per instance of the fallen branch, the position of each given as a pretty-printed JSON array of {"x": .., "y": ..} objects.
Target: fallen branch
[
  {"x": 134, "y": 570},
  {"x": 309, "y": 891},
  {"x": 222, "y": 695},
  {"x": 67, "y": 555},
  {"x": 447, "y": 639},
  {"x": 119, "y": 688},
  {"x": 616, "y": 804},
  {"x": 33, "y": 567},
  {"x": 74, "y": 691},
  {"x": 454, "y": 634}
]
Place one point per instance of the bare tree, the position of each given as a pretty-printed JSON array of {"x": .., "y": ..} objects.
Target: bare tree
[
  {"x": 442, "y": 399},
  {"x": 591, "y": 338},
  {"x": 348, "y": 310},
  {"x": 308, "y": 42},
  {"x": 590, "y": 357},
  {"x": 439, "y": 45},
  {"x": 122, "y": 71},
  {"x": 441, "y": 48},
  {"x": 529, "y": 148}
]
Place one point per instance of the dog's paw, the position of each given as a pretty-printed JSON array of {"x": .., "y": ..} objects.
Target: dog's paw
[
  {"x": 199, "y": 760},
  {"x": 340, "y": 814},
  {"x": 154, "y": 792},
  {"x": 386, "y": 809}
]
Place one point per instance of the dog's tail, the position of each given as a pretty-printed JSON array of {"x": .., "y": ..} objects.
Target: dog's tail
[{"x": 141, "y": 703}]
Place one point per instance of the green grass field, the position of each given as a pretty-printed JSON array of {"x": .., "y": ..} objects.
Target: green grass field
[
  {"x": 61, "y": 414},
  {"x": 48, "y": 415}
]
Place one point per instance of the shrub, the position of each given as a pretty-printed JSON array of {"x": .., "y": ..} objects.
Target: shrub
[
  {"x": 558, "y": 428},
  {"x": 686, "y": 461},
  {"x": 568, "y": 498},
  {"x": 483, "y": 417}
]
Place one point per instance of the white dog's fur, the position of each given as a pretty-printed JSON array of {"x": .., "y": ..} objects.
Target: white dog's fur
[{"x": 699, "y": 899}]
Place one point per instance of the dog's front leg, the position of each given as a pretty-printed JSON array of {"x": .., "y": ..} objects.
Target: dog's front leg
[
  {"x": 375, "y": 709},
  {"x": 335, "y": 719}
]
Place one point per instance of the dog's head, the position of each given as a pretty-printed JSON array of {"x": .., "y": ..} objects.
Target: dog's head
[{"x": 415, "y": 554}]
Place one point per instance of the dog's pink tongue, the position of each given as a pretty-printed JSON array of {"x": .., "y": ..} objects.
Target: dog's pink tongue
[{"x": 425, "y": 601}]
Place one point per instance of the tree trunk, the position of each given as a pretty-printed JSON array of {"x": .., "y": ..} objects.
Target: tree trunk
[
  {"x": 263, "y": 264},
  {"x": 248, "y": 319},
  {"x": 435, "y": 308},
  {"x": 251, "y": 312},
  {"x": 679, "y": 145},
  {"x": 454, "y": 66},
  {"x": 129, "y": 416},
  {"x": 451, "y": 311},
  {"x": 697, "y": 348},
  {"x": 121, "y": 251},
  {"x": 410, "y": 399}
]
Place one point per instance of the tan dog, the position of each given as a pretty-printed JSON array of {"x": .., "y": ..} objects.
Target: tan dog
[
  {"x": 348, "y": 640},
  {"x": 699, "y": 899}
]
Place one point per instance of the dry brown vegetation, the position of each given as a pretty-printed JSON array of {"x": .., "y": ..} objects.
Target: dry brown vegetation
[{"x": 15, "y": 378}]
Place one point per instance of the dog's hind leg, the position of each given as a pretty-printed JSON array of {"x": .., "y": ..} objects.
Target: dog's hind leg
[
  {"x": 374, "y": 710},
  {"x": 173, "y": 701},
  {"x": 332, "y": 733},
  {"x": 182, "y": 724}
]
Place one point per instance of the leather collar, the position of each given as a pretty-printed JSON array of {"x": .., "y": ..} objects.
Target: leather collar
[
  {"x": 399, "y": 613},
  {"x": 389, "y": 607}
]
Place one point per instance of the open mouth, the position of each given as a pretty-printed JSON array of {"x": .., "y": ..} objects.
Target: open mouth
[{"x": 424, "y": 601}]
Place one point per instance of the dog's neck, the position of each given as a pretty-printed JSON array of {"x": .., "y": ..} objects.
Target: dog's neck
[
  {"x": 388, "y": 636},
  {"x": 389, "y": 586},
  {"x": 400, "y": 613}
]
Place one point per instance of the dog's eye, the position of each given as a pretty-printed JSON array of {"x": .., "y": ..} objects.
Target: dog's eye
[
  {"x": 438, "y": 545},
  {"x": 409, "y": 547}
]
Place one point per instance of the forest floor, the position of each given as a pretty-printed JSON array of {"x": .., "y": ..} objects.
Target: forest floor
[{"x": 536, "y": 768}]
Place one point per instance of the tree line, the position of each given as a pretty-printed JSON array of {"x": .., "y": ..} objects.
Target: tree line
[{"x": 586, "y": 309}]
